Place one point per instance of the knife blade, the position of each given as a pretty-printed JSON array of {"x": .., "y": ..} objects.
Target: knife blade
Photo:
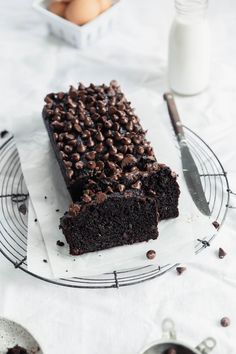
[{"x": 189, "y": 167}]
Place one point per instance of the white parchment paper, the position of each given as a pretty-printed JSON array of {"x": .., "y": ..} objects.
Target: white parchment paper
[{"x": 43, "y": 179}]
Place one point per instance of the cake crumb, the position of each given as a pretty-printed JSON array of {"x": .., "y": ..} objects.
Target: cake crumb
[
  {"x": 45, "y": 261},
  {"x": 60, "y": 243}
]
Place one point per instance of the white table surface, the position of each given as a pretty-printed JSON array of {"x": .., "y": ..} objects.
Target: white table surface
[{"x": 122, "y": 321}]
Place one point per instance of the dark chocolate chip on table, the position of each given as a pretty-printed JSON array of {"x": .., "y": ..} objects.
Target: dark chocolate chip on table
[
  {"x": 216, "y": 224},
  {"x": 180, "y": 270},
  {"x": 45, "y": 261},
  {"x": 221, "y": 253},
  {"x": 22, "y": 209},
  {"x": 35, "y": 220},
  {"x": 225, "y": 321},
  {"x": 151, "y": 254},
  {"x": 60, "y": 243}
]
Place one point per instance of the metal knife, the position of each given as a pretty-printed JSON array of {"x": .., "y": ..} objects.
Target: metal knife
[{"x": 189, "y": 167}]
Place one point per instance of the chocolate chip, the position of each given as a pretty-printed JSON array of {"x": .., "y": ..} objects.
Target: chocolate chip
[
  {"x": 79, "y": 165},
  {"x": 225, "y": 322},
  {"x": 35, "y": 220},
  {"x": 90, "y": 142},
  {"x": 111, "y": 165},
  {"x": 22, "y": 209},
  {"x": 73, "y": 92},
  {"x": 113, "y": 150},
  {"x": 69, "y": 173},
  {"x": 109, "y": 189},
  {"x": 88, "y": 122},
  {"x": 99, "y": 136},
  {"x": 221, "y": 253},
  {"x": 100, "y": 165},
  {"x": 68, "y": 149},
  {"x": 180, "y": 270},
  {"x": 119, "y": 156},
  {"x": 137, "y": 185},
  {"x": 106, "y": 157},
  {"x": 91, "y": 165},
  {"x": 45, "y": 197},
  {"x": 75, "y": 157},
  {"x": 108, "y": 124},
  {"x": 126, "y": 141},
  {"x": 216, "y": 224},
  {"x": 123, "y": 119},
  {"x": 60, "y": 95},
  {"x": 90, "y": 155},
  {"x": 45, "y": 261},
  {"x": 108, "y": 133},
  {"x": 68, "y": 164},
  {"x": 129, "y": 160},
  {"x": 86, "y": 198},
  {"x": 117, "y": 136},
  {"x": 69, "y": 136},
  {"x": 149, "y": 151},
  {"x": 121, "y": 188},
  {"x": 60, "y": 243},
  {"x": 57, "y": 125},
  {"x": 71, "y": 103},
  {"x": 112, "y": 110},
  {"x": 99, "y": 147},
  {"x": 78, "y": 128},
  {"x": 151, "y": 254},
  {"x": 60, "y": 145},
  {"x": 72, "y": 142},
  {"x": 116, "y": 126},
  {"x": 109, "y": 142},
  {"x": 55, "y": 136},
  {"x": 114, "y": 83},
  {"x": 81, "y": 147},
  {"x": 100, "y": 197},
  {"x": 130, "y": 126},
  {"x": 74, "y": 209}
]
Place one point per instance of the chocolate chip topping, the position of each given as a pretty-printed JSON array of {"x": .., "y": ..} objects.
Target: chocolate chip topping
[{"x": 100, "y": 138}]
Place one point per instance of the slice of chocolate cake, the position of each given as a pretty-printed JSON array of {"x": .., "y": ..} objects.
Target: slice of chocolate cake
[{"x": 117, "y": 186}]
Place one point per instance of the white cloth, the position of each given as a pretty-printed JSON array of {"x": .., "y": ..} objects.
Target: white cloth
[{"x": 122, "y": 321}]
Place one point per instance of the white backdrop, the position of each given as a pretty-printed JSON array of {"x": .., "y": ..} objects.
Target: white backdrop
[{"x": 122, "y": 321}]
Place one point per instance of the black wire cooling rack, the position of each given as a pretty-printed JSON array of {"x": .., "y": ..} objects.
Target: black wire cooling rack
[{"x": 13, "y": 222}]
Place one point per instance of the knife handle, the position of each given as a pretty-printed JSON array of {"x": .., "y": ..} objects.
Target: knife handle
[{"x": 174, "y": 115}]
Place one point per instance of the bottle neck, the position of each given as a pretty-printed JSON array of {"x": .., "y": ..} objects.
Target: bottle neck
[{"x": 191, "y": 10}]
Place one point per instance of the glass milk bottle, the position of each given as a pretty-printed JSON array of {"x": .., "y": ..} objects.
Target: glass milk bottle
[{"x": 189, "y": 52}]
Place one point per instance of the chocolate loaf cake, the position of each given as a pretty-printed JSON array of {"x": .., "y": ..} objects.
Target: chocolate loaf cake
[{"x": 118, "y": 188}]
